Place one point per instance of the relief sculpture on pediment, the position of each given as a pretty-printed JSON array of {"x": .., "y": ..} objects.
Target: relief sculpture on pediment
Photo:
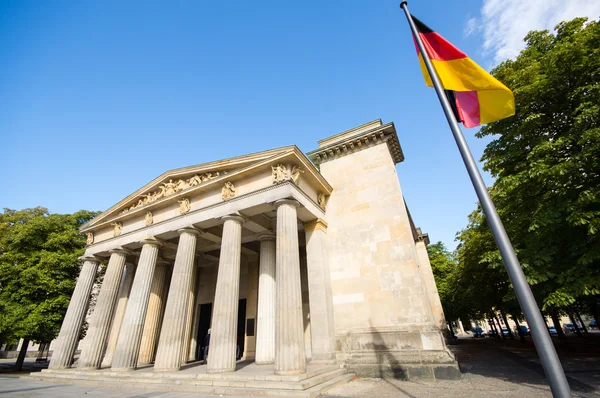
[
  {"x": 296, "y": 171},
  {"x": 149, "y": 219},
  {"x": 169, "y": 188},
  {"x": 184, "y": 206},
  {"x": 117, "y": 228},
  {"x": 228, "y": 191},
  {"x": 279, "y": 173}
]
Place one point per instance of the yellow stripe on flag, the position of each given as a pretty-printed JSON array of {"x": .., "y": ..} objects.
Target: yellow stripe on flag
[{"x": 496, "y": 101}]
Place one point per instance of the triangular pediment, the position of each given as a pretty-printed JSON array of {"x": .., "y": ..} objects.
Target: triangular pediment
[
  {"x": 177, "y": 180},
  {"x": 190, "y": 178}
]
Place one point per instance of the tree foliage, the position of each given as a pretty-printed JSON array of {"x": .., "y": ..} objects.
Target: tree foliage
[
  {"x": 546, "y": 165},
  {"x": 38, "y": 270}
]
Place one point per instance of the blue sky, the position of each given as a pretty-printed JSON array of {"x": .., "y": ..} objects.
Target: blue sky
[{"x": 98, "y": 98}]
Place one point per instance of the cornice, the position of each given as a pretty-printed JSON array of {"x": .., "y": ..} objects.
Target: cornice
[{"x": 358, "y": 142}]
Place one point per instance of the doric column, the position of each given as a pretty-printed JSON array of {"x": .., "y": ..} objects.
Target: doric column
[
  {"x": 168, "y": 355},
  {"x": 223, "y": 338},
  {"x": 99, "y": 326},
  {"x": 130, "y": 336},
  {"x": 153, "y": 314},
  {"x": 68, "y": 337},
  {"x": 187, "y": 339},
  {"x": 322, "y": 326},
  {"x": 290, "y": 356},
  {"x": 429, "y": 280},
  {"x": 265, "y": 328},
  {"x": 123, "y": 296}
]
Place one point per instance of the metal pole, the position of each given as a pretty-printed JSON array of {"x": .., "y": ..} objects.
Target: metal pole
[{"x": 541, "y": 338}]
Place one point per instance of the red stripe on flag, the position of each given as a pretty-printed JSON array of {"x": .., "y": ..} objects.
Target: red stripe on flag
[
  {"x": 439, "y": 48},
  {"x": 467, "y": 105}
]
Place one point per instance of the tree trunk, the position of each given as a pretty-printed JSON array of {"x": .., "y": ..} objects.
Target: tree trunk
[
  {"x": 499, "y": 326},
  {"x": 581, "y": 322},
  {"x": 574, "y": 322},
  {"x": 21, "y": 357},
  {"x": 556, "y": 322},
  {"x": 466, "y": 325},
  {"x": 494, "y": 328},
  {"x": 519, "y": 331},
  {"x": 596, "y": 313},
  {"x": 453, "y": 339},
  {"x": 505, "y": 319}
]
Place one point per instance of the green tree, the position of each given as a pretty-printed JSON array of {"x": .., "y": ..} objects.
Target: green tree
[
  {"x": 547, "y": 174},
  {"x": 38, "y": 271},
  {"x": 545, "y": 160}
]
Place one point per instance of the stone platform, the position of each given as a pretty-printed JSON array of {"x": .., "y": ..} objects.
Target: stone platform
[{"x": 250, "y": 379}]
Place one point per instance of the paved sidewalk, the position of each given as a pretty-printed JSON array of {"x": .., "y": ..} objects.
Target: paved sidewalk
[
  {"x": 12, "y": 386},
  {"x": 490, "y": 369},
  {"x": 493, "y": 368}
]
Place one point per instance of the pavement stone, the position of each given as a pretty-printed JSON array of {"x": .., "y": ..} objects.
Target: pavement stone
[{"x": 490, "y": 368}]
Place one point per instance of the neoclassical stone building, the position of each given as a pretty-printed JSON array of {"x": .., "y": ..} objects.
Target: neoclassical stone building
[{"x": 290, "y": 259}]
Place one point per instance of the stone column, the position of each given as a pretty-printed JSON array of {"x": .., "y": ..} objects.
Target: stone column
[
  {"x": 130, "y": 336},
  {"x": 429, "y": 281},
  {"x": 185, "y": 349},
  {"x": 290, "y": 356},
  {"x": 123, "y": 296},
  {"x": 153, "y": 314},
  {"x": 223, "y": 338},
  {"x": 251, "y": 309},
  {"x": 322, "y": 326},
  {"x": 194, "y": 319},
  {"x": 68, "y": 337},
  {"x": 265, "y": 328},
  {"x": 99, "y": 327},
  {"x": 168, "y": 355}
]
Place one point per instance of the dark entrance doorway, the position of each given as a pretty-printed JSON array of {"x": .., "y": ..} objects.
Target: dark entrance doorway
[{"x": 204, "y": 325}]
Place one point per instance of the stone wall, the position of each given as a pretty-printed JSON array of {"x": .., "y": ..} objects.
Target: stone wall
[{"x": 383, "y": 318}]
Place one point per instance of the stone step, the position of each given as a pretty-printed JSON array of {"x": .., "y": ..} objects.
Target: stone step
[
  {"x": 328, "y": 385},
  {"x": 262, "y": 384},
  {"x": 234, "y": 376},
  {"x": 172, "y": 385}
]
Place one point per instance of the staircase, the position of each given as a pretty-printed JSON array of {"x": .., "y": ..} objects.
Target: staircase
[{"x": 250, "y": 381}]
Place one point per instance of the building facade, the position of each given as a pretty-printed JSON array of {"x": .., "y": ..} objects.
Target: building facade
[{"x": 288, "y": 259}]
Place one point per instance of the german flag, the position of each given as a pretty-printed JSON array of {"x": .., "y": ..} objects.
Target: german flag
[{"x": 475, "y": 95}]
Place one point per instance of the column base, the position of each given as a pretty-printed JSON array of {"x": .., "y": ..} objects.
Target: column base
[
  {"x": 265, "y": 362},
  {"x": 122, "y": 369},
  {"x": 155, "y": 370},
  {"x": 220, "y": 370},
  {"x": 89, "y": 368},
  {"x": 57, "y": 367}
]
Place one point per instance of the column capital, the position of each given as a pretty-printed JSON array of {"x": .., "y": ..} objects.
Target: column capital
[
  {"x": 89, "y": 258},
  {"x": 288, "y": 201},
  {"x": 235, "y": 217},
  {"x": 151, "y": 241},
  {"x": 315, "y": 225},
  {"x": 266, "y": 236},
  {"x": 190, "y": 230},
  {"x": 120, "y": 250}
]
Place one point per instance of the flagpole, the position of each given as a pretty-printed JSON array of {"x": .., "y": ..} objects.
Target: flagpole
[{"x": 541, "y": 338}]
